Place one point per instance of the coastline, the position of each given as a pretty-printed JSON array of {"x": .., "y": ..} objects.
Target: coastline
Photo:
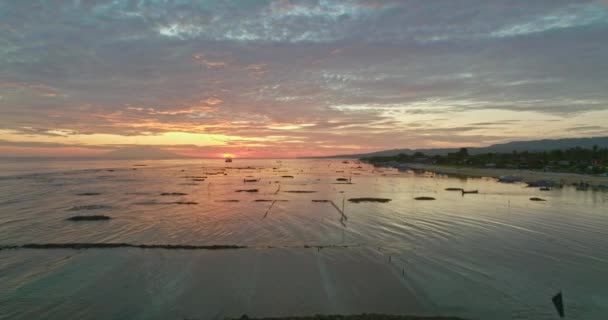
[{"x": 527, "y": 175}]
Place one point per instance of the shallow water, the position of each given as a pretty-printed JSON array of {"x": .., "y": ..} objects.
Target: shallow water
[{"x": 492, "y": 255}]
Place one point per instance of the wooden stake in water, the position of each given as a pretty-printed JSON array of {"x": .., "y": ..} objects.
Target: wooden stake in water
[{"x": 558, "y": 302}]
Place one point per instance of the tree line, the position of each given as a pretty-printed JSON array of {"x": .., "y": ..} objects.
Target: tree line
[{"x": 585, "y": 160}]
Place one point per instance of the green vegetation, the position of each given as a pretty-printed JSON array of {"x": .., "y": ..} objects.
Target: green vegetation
[{"x": 579, "y": 160}]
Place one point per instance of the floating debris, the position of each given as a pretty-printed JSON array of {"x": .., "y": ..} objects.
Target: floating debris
[
  {"x": 251, "y": 180},
  {"x": 358, "y": 200},
  {"x": 89, "y": 207},
  {"x": 268, "y": 200},
  {"x": 454, "y": 189},
  {"x": 188, "y": 184},
  {"x": 226, "y": 200},
  {"x": 300, "y": 191},
  {"x": 537, "y": 199},
  {"x": 342, "y": 179},
  {"x": 88, "y": 218},
  {"x": 247, "y": 190},
  {"x": 88, "y": 194},
  {"x": 320, "y": 200},
  {"x": 558, "y": 302},
  {"x": 173, "y": 194},
  {"x": 197, "y": 179},
  {"x": 424, "y": 198},
  {"x": 288, "y": 177},
  {"x": 186, "y": 202}
]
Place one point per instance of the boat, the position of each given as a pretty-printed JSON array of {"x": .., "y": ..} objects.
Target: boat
[
  {"x": 228, "y": 159},
  {"x": 470, "y": 191}
]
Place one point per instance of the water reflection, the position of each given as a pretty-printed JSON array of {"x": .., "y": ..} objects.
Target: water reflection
[{"x": 466, "y": 255}]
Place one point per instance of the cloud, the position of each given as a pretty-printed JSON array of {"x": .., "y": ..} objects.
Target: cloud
[{"x": 360, "y": 70}]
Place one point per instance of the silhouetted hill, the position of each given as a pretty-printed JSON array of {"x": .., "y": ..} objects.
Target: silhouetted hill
[{"x": 533, "y": 145}]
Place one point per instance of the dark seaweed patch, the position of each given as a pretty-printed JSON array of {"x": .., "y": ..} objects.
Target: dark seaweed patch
[
  {"x": 299, "y": 191},
  {"x": 358, "y": 200},
  {"x": 365, "y": 316},
  {"x": 125, "y": 245},
  {"x": 537, "y": 199},
  {"x": 89, "y": 218}
]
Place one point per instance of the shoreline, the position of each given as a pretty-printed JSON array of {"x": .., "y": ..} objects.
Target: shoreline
[{"x": 527, "y": 175}]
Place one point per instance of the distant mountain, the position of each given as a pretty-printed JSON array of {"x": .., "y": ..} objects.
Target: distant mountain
[
  {"x": 534, "y": 145},
  {"x": 141, "y": 153}
]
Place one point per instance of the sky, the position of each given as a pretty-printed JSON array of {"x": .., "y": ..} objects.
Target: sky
[{"x": 291, "y": 78}]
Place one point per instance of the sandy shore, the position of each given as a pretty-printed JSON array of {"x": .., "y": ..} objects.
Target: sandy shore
[{"x": 527, "y": 175}]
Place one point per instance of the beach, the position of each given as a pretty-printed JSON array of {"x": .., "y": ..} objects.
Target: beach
[{"x": 526, "y": 175}]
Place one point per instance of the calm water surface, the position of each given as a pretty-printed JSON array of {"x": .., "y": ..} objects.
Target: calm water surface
[{"x": 492, "y": 255}]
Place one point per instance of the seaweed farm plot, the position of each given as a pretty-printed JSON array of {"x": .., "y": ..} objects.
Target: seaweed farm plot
[{"x": 283, "y": 237}]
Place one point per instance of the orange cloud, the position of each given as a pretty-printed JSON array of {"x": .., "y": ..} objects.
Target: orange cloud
[
  {"x": 200, "y": 58},
  {"x": 212, "y": 101}
]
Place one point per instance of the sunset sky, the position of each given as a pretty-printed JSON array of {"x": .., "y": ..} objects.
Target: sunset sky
[{"x": 296, "y": 78}]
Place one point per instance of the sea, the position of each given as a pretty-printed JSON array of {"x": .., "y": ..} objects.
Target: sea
[{"x": 205, "y": 239}]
